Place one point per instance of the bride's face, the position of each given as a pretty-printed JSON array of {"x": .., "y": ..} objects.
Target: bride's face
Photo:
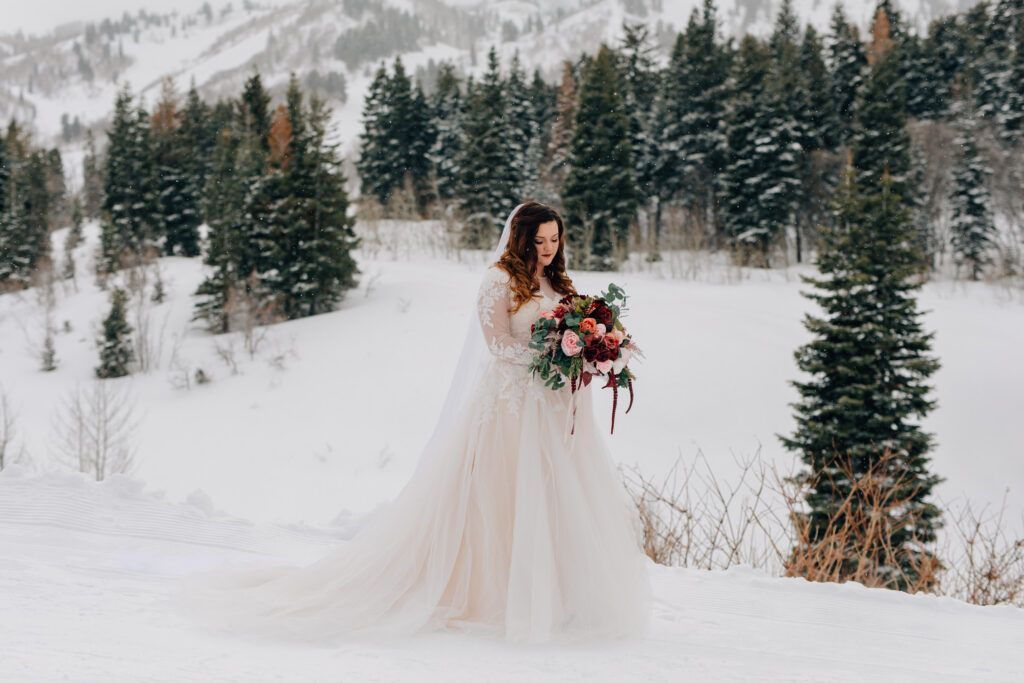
[{"x": 546, "y": 242}]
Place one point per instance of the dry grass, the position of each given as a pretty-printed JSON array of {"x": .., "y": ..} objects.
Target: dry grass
[{"x": 690, "y": 518}]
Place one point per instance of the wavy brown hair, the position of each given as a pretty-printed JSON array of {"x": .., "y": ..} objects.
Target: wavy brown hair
[{"x": 519, "y": 259}]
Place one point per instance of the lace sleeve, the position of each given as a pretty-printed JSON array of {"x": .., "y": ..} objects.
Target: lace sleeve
[{"x": 492, "y": 305}]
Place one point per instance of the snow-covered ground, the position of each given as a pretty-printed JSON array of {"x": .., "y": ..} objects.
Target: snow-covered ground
[{"x": 280, "y": 458}]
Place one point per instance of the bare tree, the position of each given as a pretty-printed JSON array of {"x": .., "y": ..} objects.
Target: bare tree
[
  {"x": 94, "y": 429},
  {"x": 7, "y": 434}
]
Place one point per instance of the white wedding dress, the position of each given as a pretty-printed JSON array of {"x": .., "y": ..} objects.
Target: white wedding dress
[{"x": 517, "y": 528}]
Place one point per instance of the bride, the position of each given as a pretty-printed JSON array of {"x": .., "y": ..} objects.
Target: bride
[{"x": 513, "y": 525}]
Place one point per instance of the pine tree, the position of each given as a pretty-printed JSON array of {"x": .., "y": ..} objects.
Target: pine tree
[
  {"x": 487, "y": 170},
  {"x": 972, "y": 225},
  {"x": 130, "y": 211},
  {"x": 691, "y": 120},
  {"x": 92, "y": 179},
  {"x": 880, "y": 141},
  {"x": 562, "y": 128},
  {"x": 448, "y": 109},
  {"x": 224, "y": 207},
  {"x": 177, "y": 186},
  {"x": 822, "y": 118},
  {"x": 1012, "y": 118},
  {"x": 600, "y": 194},
  {"x": 642, "y": 89},
  {"x": 761, "y": 179},
  {"x": 524, "y": 129},
  {"x": 847, "y": 63},
  {"x": 378, "y": 172},
  {"x": 869, "y": 366},
  {"x": 25, "y": 211},
  {"x": 310, "y": 265},
  {"x": 115, "y": 347}
]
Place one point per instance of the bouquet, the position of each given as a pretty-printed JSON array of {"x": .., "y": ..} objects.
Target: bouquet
[{"x": 581, "y": 338}]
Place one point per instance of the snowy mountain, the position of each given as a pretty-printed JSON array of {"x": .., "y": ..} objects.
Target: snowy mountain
[{"x": 66, "y": 80}]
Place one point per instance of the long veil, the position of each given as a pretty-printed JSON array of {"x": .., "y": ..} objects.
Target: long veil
[{"x": 470, "y": 366}]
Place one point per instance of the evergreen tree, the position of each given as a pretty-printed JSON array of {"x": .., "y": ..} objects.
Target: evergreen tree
[
  {"x": 972, "y": 225},
  {"x": 600, "y": 194},
  {"x": 224, "y": 207},
  {"x": 177, "y": 186},
  {"x": 869, "y": 366},
  {"x": 25, "y": 209},
  {"x": 691, "y": 120},
  {"x": 310, "y": 266},
  {"x": 92, "y": 180},
  {"x": 642, "y": 88},
  {"x": 926, "y": 92},
  {"x": 880, "y": 141},
  {"x": 487, "y": 168},
  {"x": 1012, "y": 119},
  {"x": 115, "y": 347},
  {"x": 379, "y": 172},
  {"x": 761, "y": 179},
  {"x": 847, "y": 63},
  {"x": 130, "y": 217},
  {"x": 524, "y": 131},
  {"x": 448, "y": 109},
  {"x": 253, "y": 112},
  {"x": 562, "y": 128},
  {"x": 822, "y": 118}
]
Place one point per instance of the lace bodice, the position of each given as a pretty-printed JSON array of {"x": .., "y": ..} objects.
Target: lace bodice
[{"x": 508, "y": 334}]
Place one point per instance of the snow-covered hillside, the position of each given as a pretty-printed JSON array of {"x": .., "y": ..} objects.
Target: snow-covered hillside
[
  {"x": 282, "y": 453},
  {"x": 88, "y": 594},
  {"x": 75, "y": 71}
]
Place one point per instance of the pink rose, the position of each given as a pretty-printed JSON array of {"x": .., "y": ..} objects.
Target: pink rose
[
  {"x": 548, "y": 314},
  {"x": 601, "y": 330},
  {"x": 604, "y": 365},
  {"x": 571, "y": 343}
]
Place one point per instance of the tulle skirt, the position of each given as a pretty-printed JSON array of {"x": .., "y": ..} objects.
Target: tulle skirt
[{"x": 513, "y": 528}]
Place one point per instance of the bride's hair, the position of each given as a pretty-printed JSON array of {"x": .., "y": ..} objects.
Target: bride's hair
[{"x": 520, "y": 257}]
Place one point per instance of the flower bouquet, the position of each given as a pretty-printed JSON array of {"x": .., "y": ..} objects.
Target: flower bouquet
[{"x": 581, "y": 338}]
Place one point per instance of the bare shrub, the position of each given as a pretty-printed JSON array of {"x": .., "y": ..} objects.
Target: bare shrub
[
  {"x": 94, "y": 429},
  {"x": 862, "y": 526},
  {"x": 249, "y": 310},
  {"x": 8, "y": 431},
  {"x": 986, "y": 564},
  {"x": 690, "y": 518}
]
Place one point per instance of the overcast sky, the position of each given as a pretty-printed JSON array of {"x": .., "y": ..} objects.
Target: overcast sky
[{"x": 39, "y": 16}]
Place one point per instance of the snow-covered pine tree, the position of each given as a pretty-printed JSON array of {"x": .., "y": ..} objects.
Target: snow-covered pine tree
[
  {"x": 822, "y": 118},
  {"x": 92, "y": 179},
  {"x": 925, "y": 89},
  {"x": 561, "y": 129},
  {"x": 1012, "y": 117},
  {"x": 972, "y": 225},
  {"x": 642, "y": 87},
  {"x": 115, "y": 347},
  {"x": 761, "y": 178},
  {"x": 868, "y": 364},
  {"x": 378, "y": 174},
  {"x": 691, "y": 121},
  {"x": 600, "y": 194},
  {"x": 847, "y": 63},
  {"x": 130, "y": 211},
  {"x": 224, "y": 207},
  {"x": 448, "y": 110},
  {"x": 487, "y": 185},
  {"x": 880, "y": 142},
  {"x": 524, "y": 129},
  {"x": 177, "y": 190},
  {"x": 311, "y": 264}
]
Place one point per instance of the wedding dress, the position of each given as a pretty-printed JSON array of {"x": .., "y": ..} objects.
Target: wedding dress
[{"x": 518, "y": 527}]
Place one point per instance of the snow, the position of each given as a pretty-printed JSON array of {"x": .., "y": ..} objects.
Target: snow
[
  {"x": 87, "y": 594},
  {"x": 281, "y": 460}
]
